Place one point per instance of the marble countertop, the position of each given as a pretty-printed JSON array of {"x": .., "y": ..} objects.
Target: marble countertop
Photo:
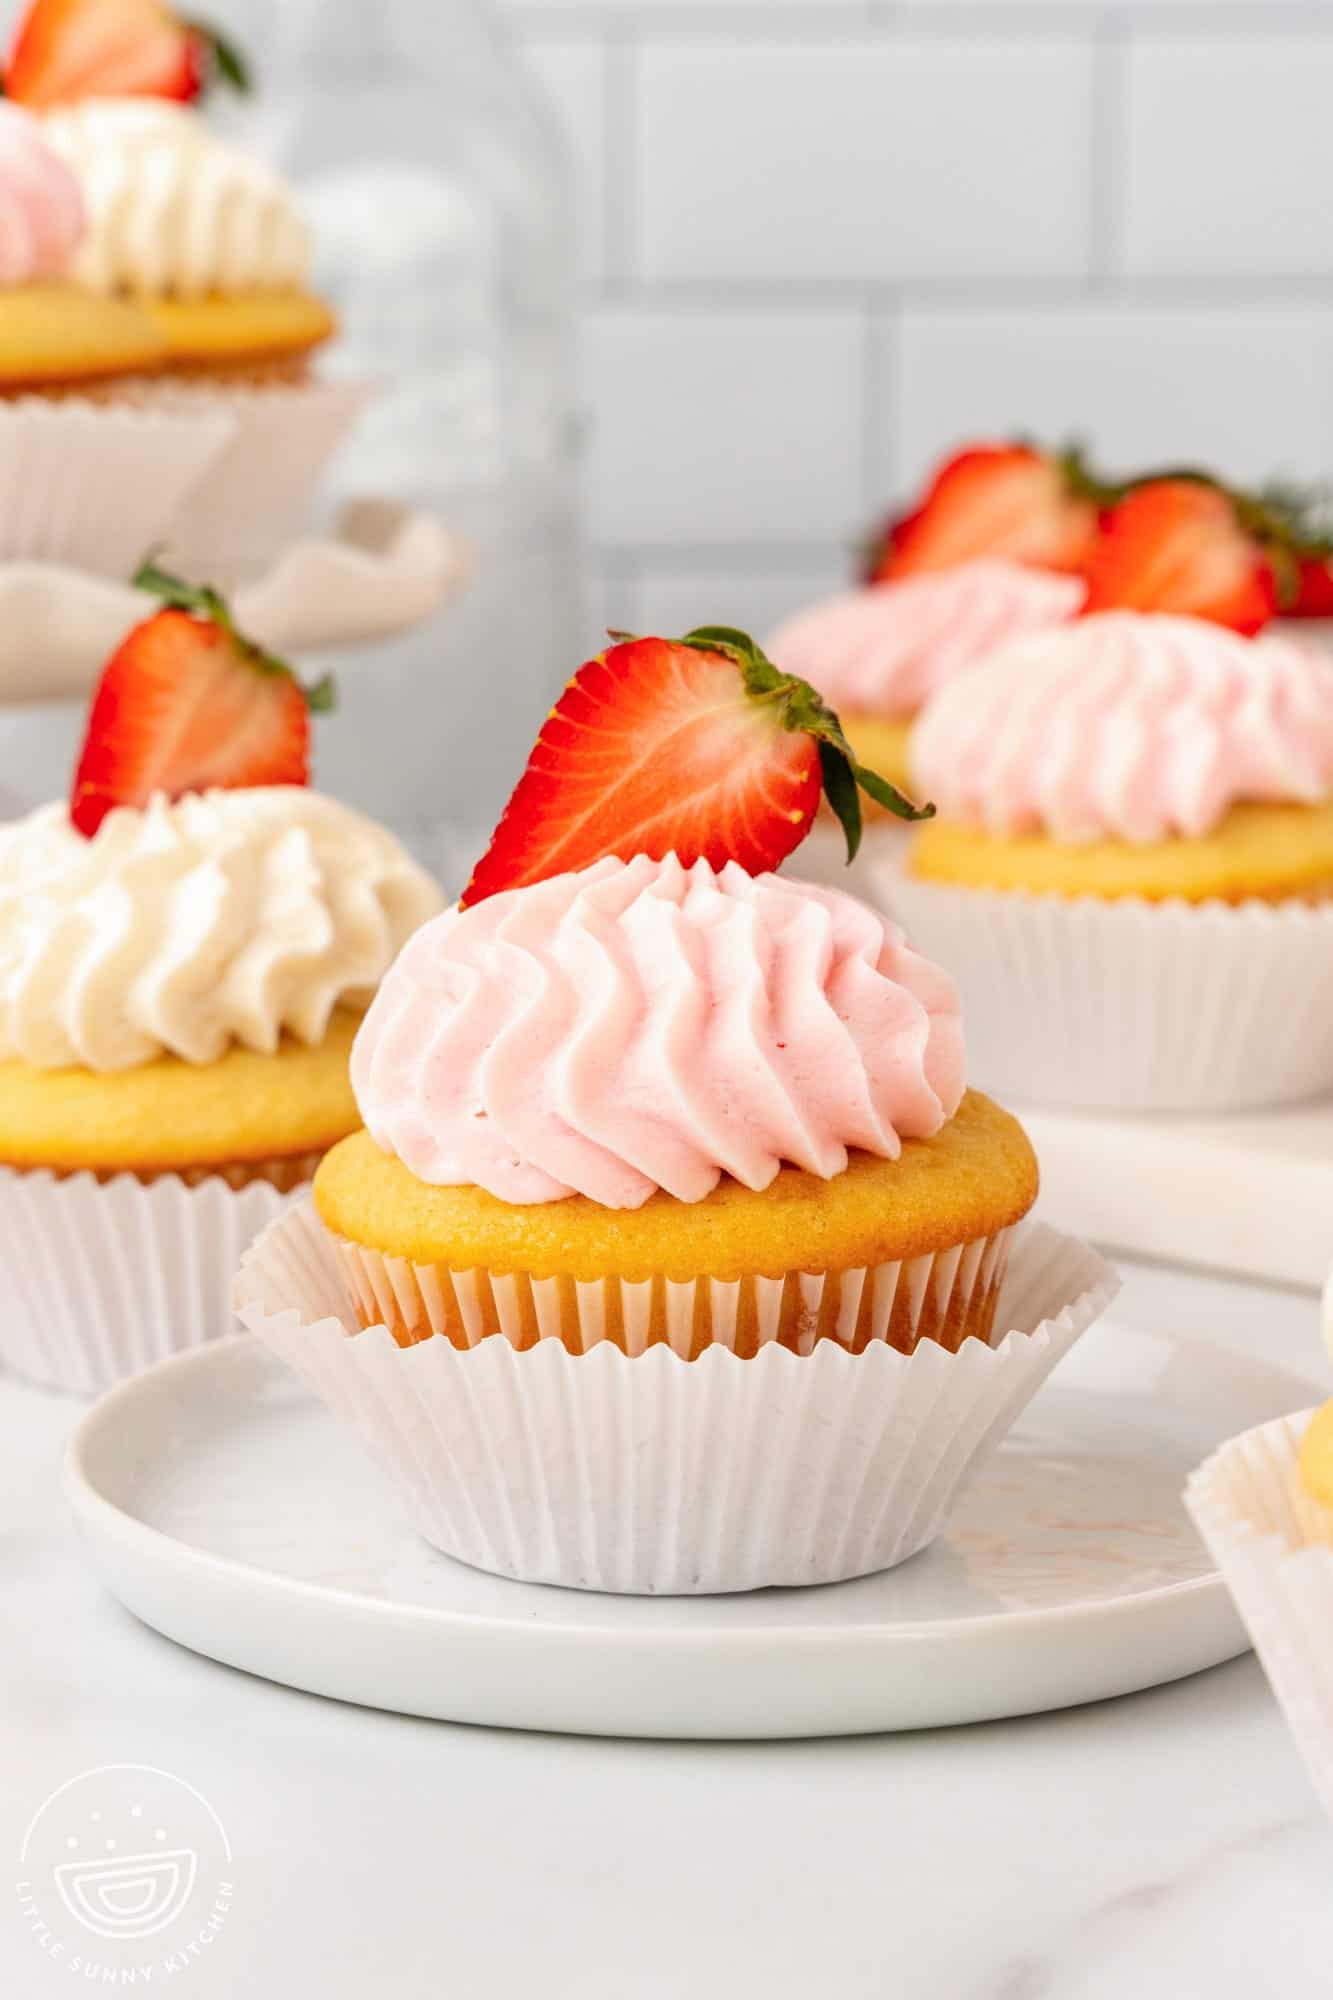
[{"x": 1161, "y": 1846}]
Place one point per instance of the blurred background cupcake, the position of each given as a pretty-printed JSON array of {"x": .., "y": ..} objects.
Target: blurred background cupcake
[
  {"x": 185, "y": 949},
  {"x": 877, "y": 654},
  {"x": 88, "y": 477},
  {"x": 203, "y": 245},
  {"x": 1131, "y": 871}
]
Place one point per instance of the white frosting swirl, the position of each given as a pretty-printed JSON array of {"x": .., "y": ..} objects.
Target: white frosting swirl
[
  {"x": 173, "y": 210},
  {"x": 222, "y": 917}
]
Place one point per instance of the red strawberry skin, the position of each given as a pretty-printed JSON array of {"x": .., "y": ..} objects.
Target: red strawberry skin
[
  {"x": 1314, "y": 588},
  {"x": 1176, "y": 545},
  {"x": 69, "y": 49},
  {"x": 654, "y": 748},
  {"x": 992, "y": 500},
  {"x": 182, "y": 706}
]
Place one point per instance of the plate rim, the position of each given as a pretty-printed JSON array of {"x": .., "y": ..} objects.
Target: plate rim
[{"x": 92, "y": 1509}]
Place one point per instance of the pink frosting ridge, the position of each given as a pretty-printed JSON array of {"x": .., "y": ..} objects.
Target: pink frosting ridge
[
  {"x": 41, "y": 207},
  {"x": 641, "y": 1025},
  {"x": 1131, "y": 726},
  {"x": 885, "y": 650}
]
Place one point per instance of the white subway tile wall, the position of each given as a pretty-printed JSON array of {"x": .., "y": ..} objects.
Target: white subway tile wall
[{"x": 821, "y": 240}]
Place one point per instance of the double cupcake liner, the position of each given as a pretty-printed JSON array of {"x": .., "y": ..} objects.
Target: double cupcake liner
[
  {"x": 615, "y": 1471},
  {"x": 257, "y": 492},
  {"x": 104, "y": 1278},
  {"x": 1274, "y": 1547},
  {"x": 94, "y": 482},
  {"x": 1126, "y": 1005}
]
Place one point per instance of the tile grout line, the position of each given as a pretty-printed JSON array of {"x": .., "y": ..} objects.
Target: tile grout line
[{"x": 1110, "y": 155}]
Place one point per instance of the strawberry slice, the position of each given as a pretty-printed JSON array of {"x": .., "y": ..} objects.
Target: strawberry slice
[
  {"x": 696, "y": 746},
  {"x": 1011, "y": 500},
  {"x": 1181, "y": 544},
  {"x": 68, "y": 49},
  {"x": 185, "y": 703}
]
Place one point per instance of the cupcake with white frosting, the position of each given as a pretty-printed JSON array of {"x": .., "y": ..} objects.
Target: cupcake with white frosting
[
  {"x": 186, "y": 949},
  {"x": 1131, "y": 866},
  {"x": 207, "y": 242},
  {"x": 206, "y": 238},
  {"x": 87, "y": 477}
]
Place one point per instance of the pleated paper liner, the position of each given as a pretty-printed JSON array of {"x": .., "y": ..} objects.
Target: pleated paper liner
[
  {"x": 947, "y": 1297},
  {"x": 646, "y": 1472},
  {"x": 259, "y": 490},
  {"x": 1131, "y": 1006},
  {"x": 1274, "y": 1547},
  {"x": 92, "y": 484},
  {"x": 104, "y": 1277}
]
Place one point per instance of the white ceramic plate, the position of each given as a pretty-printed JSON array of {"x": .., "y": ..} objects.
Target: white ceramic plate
[{"x": 227, "y": 1510}]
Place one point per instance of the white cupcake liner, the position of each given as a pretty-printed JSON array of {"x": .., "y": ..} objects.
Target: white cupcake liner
[
  {"x": 95, "y": 483},
  {"x": 1126, "y": 1005},
  {"x": 258, "y": 491},
  {"x": 104, "y": 1278},
  {"x": 1274, "y": 1547},
  {"x": 648, "y": 1473}
]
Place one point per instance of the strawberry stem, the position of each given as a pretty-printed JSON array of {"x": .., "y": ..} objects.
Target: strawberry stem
[
  {"x": 203, "y": 601},
  {"x": 226, "y": 62},
  {"x": 799, "y": 707}
]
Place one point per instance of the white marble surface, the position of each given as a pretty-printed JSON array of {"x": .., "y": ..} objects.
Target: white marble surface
[{"x": 1163, "y": 1845}]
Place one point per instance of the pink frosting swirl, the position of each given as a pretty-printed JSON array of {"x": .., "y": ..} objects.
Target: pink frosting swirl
[
  {"x": 41, "y": 208},
  {"x": 886, "y": 649},
  {"x": 641, "y": 1025},
  {"x": 1128, "y": 725}
]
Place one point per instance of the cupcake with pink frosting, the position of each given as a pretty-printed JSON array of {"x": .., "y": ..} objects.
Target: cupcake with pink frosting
[
  {"x": 878, "y": 654},
  {"x": 1131, "y": 868},
  {"x": 676, "y": 1254}
]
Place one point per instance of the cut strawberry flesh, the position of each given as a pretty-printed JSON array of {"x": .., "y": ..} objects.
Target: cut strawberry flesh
[
  {"x": 181, "y": 707},
  {"x": 1176, "y": 545},
  {"x": 70, "y": 49},
  {"x": 993, "y": 501},
  {"x": 655, "y": 748}
]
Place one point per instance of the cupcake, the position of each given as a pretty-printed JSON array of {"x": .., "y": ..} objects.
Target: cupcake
[
  {"x": 1131, "y": 867},
  {"x": 1263, "y": 1504},
  {"x": 676, "y": 1251},
  {"x": 86, "y": 477},
  {"x": 185, "y": 951},
  {"x": 878, "y": 654},
  {"x": 208, "y": 242},
  {"x": 204, "y": 238}
]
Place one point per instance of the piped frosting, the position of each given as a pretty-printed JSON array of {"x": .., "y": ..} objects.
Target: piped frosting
[
  {"x": 885, "y": 650},
  {"x": 1128, "y": 726},
  {"x": 641, "y": 1025}
]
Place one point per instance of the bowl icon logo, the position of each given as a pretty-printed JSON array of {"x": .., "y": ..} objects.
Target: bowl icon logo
[
  {"x": 125, "y": 1869},
  {"x": 128, "y": 1898}
]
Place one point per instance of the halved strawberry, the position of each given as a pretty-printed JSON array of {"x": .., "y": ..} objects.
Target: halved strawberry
[
  {"x": 1181, "y": 544},
  {"x": 1314, "y": 588},
  {"x": 695, "y": 746},
  {"x": 186, "y": 702},
  {"x": 68, "y": 49},
  {"x": 1008, "y": 500}
]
